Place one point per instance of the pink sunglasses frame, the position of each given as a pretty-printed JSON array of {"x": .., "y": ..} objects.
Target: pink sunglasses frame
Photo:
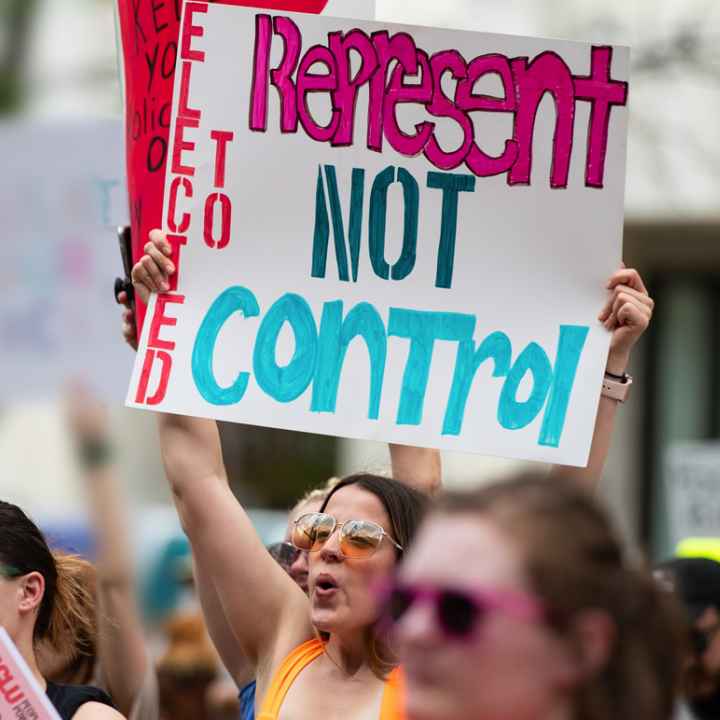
[{"x": 519, "y": 605}]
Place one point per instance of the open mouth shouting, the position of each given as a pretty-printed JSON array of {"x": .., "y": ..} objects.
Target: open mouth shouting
[{"x": 326, "y": 586}]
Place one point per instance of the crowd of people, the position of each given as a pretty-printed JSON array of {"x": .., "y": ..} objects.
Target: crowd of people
[{"x": 388, "y": 598}]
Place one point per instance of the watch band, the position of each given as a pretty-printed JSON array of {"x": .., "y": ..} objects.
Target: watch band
[{"x": 616, "y": 389}]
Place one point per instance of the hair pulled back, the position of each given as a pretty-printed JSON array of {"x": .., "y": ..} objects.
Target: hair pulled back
[
  {"x": 404, "y": 505},
  {"x": 66, "y": 618},
  {"x": 575, "y": 561}
]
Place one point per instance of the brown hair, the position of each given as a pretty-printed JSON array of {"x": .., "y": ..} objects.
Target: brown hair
[
  {"x": 575, "y": 561},
  {"x": 66, "y": 620}
]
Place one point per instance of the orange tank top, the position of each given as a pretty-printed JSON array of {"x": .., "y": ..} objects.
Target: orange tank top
[{"x": 390, "y": 709}]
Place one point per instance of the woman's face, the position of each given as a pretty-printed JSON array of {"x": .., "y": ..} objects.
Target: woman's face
[
  {"x": 342, "y": 590},
  {"x": 9, "y": 599},
  {"x": 507, "y": 667}
]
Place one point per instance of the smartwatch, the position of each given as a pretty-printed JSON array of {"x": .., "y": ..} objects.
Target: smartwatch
[{"x": 616, "y": 387}]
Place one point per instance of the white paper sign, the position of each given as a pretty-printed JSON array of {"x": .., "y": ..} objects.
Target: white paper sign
[
  {"x": 389, "y": 232},
  {"x": 692, "y": 472},
  {"x": 21, "y": 697},
  {"x": 62, "y": 196}
]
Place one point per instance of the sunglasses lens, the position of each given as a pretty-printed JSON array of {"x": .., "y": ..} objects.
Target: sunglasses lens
[
  {"x": 457, "y": 613},
  {"x": 284, "y": 554},
  {"x": 312, "y": 530},
  {"x": 398, "y": 603},
  {"x": 360, "y": 538}
]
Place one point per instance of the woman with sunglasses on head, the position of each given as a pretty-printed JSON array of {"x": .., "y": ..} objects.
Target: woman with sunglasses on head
[
  {"x": 362, "y": 530},
  {"x": 43, "y": 603},
  {"x": 516, "y": 601}
]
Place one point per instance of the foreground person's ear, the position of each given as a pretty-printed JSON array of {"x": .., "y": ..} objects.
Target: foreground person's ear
[
  {"x": 593, "y": 632},
  {"x": 31, "y": 591}
]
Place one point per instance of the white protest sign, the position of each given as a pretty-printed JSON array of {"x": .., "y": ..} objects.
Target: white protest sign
[
  {"x": 389, "y": 232},
  {"x": 692, "y": 480},
  {"x": 62, "y": 196},
  {"x": 21, "y": 697}
]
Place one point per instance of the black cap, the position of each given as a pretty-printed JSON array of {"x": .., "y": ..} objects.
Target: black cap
[{"x": 695, "y": 580}]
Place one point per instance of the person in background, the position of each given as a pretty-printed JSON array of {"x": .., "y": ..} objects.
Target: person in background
[
  {"x": 125, "y": 667},
  {"x": 516, "y": 601},
  {"x": 42, "y": 602},
  {"x": 696, "y": 583},
  {"x": 184, "y": 682}
]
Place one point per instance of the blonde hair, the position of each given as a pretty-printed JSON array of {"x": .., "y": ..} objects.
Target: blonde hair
[
  {"x": 316, "y": 495},
  {"x": 74, "y": 618},
  {"x": 68, "y": 652}
]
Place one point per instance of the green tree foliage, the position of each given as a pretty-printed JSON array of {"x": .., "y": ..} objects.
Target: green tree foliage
[{"x": 15, "y": 21}]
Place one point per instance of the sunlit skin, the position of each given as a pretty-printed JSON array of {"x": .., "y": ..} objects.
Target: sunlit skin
[
  {"x": 10, "y": 594},
  {"x": 352, "y": 606},
  {"x": 344, "y": 611},
  {"x": 509, "y": 668}
]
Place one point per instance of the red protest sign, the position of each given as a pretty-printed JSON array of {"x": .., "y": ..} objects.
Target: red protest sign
[{"x": 149, "y": 32}]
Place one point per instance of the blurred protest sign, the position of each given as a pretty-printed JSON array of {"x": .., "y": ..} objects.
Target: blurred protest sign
[
  {"x": 21, "y": 697},
  {"x": 385, "y": 232},
  {"x": 62, "y": 195},
  {"x": 692, "y": 476},
  {"x": 149, "y": 36}
]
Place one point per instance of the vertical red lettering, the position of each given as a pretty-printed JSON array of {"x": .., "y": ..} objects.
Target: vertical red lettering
[
  {"x": 189, "y": 30},
  {"x": 221, "y": 138},
  {"x": 184, "y": 108},
  {"x": 159, "y": 396},
  {"x": 176, "y": 242},
  {"x": 184, "y": 223},
  {"x": 181, "y": 145},
  {"x": 226, "y": 219},
  {"x": 160, "y": 319}
]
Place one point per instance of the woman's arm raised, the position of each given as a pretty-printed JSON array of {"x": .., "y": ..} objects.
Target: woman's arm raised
[
  {"x": 420, "y": 468},
  {"x": 261, "y": 603},
  {"x": 627, "y": 315},
  {"x": 122, "y": 650}
]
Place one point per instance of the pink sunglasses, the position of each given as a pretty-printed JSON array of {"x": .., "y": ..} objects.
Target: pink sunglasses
[{"x": 457, "y": 610}]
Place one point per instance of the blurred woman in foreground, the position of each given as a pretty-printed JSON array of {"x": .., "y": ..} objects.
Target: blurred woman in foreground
[{"x": 516, "y": 601}]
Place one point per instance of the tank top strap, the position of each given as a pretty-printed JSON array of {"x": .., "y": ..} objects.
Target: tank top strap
[
  {"x": 393, "y": 700},
  {"x": 291, "y": 667}
]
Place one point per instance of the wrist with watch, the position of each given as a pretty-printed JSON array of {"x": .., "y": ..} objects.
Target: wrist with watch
[{"x": 616, "y": 387}]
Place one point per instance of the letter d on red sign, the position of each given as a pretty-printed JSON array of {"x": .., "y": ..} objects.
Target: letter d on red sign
[{"x": 159, "y": 395}]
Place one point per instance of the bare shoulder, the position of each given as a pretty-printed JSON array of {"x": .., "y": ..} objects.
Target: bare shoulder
[
  {"x": 294, "y": 632},
  {"x": 97, "y": 711}
]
